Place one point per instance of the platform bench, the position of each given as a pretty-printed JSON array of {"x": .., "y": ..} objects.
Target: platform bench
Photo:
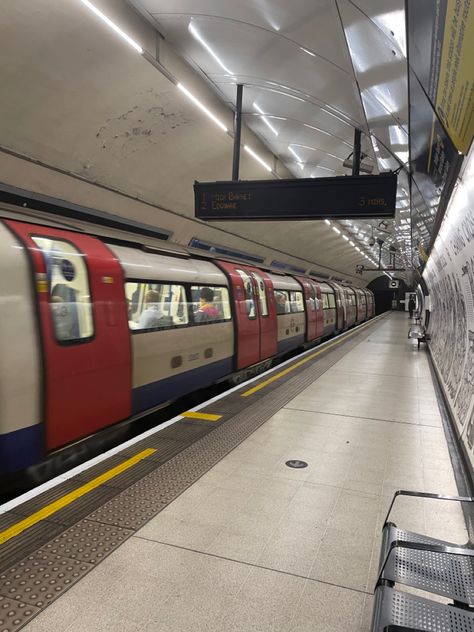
[
  {"x": 434, "y": 566},
  {"x": 419, "y": 333}
]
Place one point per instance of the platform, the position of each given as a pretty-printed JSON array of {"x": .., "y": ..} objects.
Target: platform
[{"x": 203, "y": 526}]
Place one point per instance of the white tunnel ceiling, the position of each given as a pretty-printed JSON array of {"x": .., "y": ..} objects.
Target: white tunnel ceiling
[
  {"x": 312, "y": 71},
  {"x": 80, "y": 100}
]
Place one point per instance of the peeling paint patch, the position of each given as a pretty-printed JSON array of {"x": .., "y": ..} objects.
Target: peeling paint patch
[{"x": 142, "y": 125}]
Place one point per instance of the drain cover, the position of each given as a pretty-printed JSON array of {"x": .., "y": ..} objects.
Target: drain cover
[{"x": 297, "y": 464}]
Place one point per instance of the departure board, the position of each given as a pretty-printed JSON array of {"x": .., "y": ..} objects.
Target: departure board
[{"x": 340, "y": 197}]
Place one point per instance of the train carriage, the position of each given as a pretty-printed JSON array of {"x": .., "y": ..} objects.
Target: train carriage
[{"x": 95, "y": 332}]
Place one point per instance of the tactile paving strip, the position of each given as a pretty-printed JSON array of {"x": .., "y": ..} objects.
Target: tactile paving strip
[
  {"x": 88, "y": 541},
  {"x": 14, "y": 614},
  {"x": 40, "y": 578},
  {"x": 46, "y": 574}
]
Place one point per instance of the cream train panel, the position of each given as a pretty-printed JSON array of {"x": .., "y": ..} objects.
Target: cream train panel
[
  {"x": 20, "y": 365},
  {"x": 137, "y": 264},
  {"x": 156, "y": 353},
  {"x": 290, "y": 325}
]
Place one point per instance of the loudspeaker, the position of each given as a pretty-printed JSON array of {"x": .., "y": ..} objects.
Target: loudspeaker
[{"x": 393, "y": 284}]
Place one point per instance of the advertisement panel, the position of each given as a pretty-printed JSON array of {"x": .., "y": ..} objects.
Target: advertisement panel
[{"x": 441, "y": 50}]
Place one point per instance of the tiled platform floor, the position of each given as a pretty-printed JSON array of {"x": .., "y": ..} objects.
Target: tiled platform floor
[{"x": 256, "y": 546}]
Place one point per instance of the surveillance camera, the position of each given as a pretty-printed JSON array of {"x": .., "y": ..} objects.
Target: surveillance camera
[{"x": 372, "y": 241}]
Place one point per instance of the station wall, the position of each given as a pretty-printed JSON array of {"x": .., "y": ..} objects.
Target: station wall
[{"x": 449, "y": 275}]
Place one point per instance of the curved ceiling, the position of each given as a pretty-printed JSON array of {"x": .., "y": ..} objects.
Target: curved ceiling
[
  {"x": 82, "y": 101},
  {"x": 311, "y": 75}
]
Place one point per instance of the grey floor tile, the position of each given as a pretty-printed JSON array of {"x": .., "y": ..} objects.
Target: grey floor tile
[
  {"x": 343, "y": 559},
  {"x": 325, "y": 608}
]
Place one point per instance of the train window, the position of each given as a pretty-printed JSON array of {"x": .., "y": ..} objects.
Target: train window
[
  {"x": 312, "y": 298},
  {"x": 262, "y": 297},
  {"x": 296, "y": 302},
  {"x": 331, "y": 301},
  {"x": 324, "y": 296},
  {"x": 69, "y": 291},
  {"x": 210, "y": 304},
  {"x": 154, "y": 306},
  {"x": 282, "y": 302},
  {"x": 248, "y": 293}
]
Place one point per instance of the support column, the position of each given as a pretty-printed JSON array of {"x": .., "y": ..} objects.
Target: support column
[
  {"x": 356, "y": 153},
  {"x": 237, "y": 133}
]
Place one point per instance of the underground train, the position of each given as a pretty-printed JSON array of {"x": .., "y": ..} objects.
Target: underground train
[{"x": 96, "y": 331}]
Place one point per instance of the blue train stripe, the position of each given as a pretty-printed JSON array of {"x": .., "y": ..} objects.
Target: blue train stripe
[
  {"x": 20, "y": 448},
  {"x": 155, "y": 393}
]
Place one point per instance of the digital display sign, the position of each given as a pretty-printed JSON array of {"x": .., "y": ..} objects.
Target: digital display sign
[{"x": 339, "y": 197}]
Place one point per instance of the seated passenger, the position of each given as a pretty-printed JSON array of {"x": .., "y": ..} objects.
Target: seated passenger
[
  {"x": 206, "y": 310},
  {"x": 151, "y": 315},
  {"x": 280, "y": 303}
]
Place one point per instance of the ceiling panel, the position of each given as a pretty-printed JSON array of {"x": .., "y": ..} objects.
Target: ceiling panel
[
  {"x": 311, "y": 72},
  {"x": 228, "y": 49},
  {"x": 313, "y": 25}
]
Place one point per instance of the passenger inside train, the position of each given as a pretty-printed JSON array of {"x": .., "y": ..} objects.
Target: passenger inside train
[
  {"x": 151, "y": 315},
  {"x": 280, "y": 302},
  {"x": 206, "y": 310}
]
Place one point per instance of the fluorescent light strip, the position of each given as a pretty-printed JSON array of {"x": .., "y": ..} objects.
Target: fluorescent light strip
[
  {"x": 327, "y": 222},
  {"x": 317, "y": 129},
  {"x": 345, "y": 237},
  {"x": 300, "y": 162},
  {"x": 336, "y": 230},
  {"x": 352, "y": 243},
  {"x": 257, "y": 158},
  {"x": 113, "y": 26},
  {"x": 194, "y": 32},
  {"x": 285, "y": 94},
  {"x": 305, "y": 50},
  {"x": 202, "y": 107},
  {"x": 264, "y": 119}
]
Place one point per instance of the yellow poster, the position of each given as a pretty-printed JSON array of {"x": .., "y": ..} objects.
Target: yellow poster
[{"x": 455, "y": 94}]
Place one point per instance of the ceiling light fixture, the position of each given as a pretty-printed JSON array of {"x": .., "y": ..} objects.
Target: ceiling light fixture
[
  {"x": 327, "y": 222},
  {"x": 345, "y": 237},
  {"x": 257, "y": 158},
  {"x": 317, "y": 129},
  {"x": 305, "y": 50},
  {"x": 113, "y": 26},
  {"x": 264, "y": 119},
  {"x": 336, "y": 230},
  {"x": 298, "y": 159},
  {"x": 202, "y": 107},
  {"x": 192, "y": 29}
]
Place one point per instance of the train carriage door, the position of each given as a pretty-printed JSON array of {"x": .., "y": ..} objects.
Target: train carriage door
[
  {"x": 267, "y": 313},
  {"x": 339, "y": 310},
  {"x": 83, "y": 320},
  {"x": 247, "y": 321},
  {"x": 310, "y": 307},
  {"x": 319, "y": 311}
]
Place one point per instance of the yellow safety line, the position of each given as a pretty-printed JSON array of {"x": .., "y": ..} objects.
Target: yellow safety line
[
  {"x": 191, "y": 414},
  {"x": 58, "y": 504},
  {"x": 277, "y": 376}
]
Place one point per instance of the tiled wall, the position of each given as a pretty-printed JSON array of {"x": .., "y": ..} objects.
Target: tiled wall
[{"x": 449, "y": 275}]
